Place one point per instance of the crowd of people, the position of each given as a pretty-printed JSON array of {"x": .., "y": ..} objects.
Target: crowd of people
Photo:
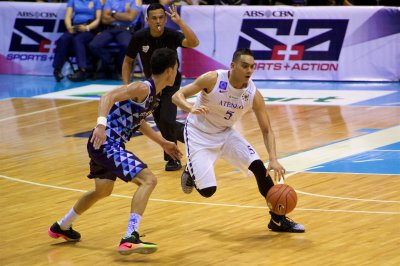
[{"x": 98, "y": 34}]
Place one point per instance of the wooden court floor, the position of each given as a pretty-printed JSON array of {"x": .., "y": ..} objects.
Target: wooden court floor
[{"x": 350, "y": 219}]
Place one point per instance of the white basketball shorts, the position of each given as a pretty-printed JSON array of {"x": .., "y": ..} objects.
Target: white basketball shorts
[{"x": 203, "y": 149}]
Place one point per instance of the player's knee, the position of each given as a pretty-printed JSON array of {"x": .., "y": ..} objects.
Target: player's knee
[
  {"x": 207, "y": 192},
  {"x": 145, "y": 178},
  {"x": 151, "y": 180},
  {"x": 103, "y": 192}
]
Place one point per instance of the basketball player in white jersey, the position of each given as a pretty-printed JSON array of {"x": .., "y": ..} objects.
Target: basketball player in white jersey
[{"x": 225, "y": 95}]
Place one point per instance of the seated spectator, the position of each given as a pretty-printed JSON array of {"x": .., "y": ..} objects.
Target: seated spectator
[
  {"x": 120, "y": 19},
  {"x": 81, "y": 20},
  {"x": 169, "y": 2}
]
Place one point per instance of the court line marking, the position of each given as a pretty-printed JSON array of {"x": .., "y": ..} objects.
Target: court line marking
[
  {"x": 44, "y": 110},
  {"x": 309, "y": 159},
  {"x": 336, "y": 197},
  {"x": 347, "y": 173},
  {"x": 207, "y": 203},
  {"x": 285, "y": 96},
  {"x": 344, "y": 198},
  {"x": 313, "y": 158},
  {"x": 369, "y": 160},
  {"x": 302, "y": 161}
]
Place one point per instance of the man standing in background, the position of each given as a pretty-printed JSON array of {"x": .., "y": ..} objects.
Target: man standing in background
[{"x": 144, "y": 42}]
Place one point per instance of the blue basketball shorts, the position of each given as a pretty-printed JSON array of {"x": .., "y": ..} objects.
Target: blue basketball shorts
[{"x": 112, "y": 161}]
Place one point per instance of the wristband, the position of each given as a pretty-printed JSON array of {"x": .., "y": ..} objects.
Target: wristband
[
  {"x": 101, "y": 120},
  {"x": 87, "y": 28}
]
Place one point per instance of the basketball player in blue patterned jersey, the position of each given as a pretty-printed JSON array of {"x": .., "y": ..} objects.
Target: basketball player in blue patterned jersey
[
  {"x": 224, "y": 96},
  {"x": 121, "y": 112}
]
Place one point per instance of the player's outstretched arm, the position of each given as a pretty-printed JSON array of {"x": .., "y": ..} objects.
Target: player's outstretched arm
[
  {"x": 169, "y": 147},
  {"x": 203, "y": 83},
  {"x": 261, "y": 113}
]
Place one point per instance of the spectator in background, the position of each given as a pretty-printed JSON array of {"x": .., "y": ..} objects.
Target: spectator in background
[
  {"x": 260, "y": 2},
  {"x": 175, "y": 2},
  {"x": 120, "y": 18},
  {"x": 81, "y": 19}
]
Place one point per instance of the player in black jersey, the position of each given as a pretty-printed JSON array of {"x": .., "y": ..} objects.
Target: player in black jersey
[
  {"x": 122, "y": 111},
  {"x": 144, "y": 42}
]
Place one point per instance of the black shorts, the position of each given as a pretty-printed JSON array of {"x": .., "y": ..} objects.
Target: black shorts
[{"x": 112, "y": 161}]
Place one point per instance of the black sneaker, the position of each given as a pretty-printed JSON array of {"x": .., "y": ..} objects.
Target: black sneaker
[
  {"x": 285, "y": 225},
  {"x": 173, "y": 165},
  {"x": 187, "y": 182},
  {"x": 58, "y": 75},
  {"x": 55, "y": 231},
  {"x": 133, "y": 244}
]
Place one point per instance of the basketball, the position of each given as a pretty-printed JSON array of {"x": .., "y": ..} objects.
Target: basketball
[{"x": 281, "y": 199}]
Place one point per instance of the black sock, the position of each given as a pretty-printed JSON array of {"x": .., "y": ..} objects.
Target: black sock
[
  {"x": 264, "y": 182},
  {"x": 276, "y": 217}
]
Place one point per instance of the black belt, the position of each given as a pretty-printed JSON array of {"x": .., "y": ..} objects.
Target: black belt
[{"x": 119, "y": 27}]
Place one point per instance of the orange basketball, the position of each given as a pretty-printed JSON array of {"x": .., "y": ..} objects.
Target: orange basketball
[{"x": 281, "y": 199}]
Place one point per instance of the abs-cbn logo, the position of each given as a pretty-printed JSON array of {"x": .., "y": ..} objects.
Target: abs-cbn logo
[
  {"x": 330, "y": 41},
  {"x": 268, "y": 13},
  {"x": 37, "y": 14}
]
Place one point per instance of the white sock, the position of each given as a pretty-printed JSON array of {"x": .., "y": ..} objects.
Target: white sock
[
  {"x": 65, "y": 223},
  {"x": 133, "y": 224}
]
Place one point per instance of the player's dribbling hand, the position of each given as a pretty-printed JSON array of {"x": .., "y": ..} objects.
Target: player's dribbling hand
[
  {"x": 172, "y": 150},
  {"x": 200, "y": 110},
  {"x": 99, "y": 136},
  {"x": 279, "y": 171}
]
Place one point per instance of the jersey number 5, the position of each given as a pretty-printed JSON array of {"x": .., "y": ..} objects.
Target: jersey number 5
[{"x": 228, "y": 115}]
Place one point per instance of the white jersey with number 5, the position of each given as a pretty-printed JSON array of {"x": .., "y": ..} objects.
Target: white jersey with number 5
[{"x": 226, "y": 105}]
